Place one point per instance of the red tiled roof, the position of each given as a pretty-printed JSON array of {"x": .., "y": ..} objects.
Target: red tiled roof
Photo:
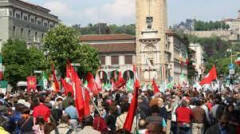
[
  {"x": 104, "y": 37},
  {"x": 115, "y": 48}
]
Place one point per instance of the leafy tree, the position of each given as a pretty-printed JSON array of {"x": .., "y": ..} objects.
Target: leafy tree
[
  {"x": 20, "y": 62},
  {"x": 207, "y": 26},
  {"x": 88, "y": 58},
  {"x": 101, "y": 28},
  {"x": 62, "y": 43}
]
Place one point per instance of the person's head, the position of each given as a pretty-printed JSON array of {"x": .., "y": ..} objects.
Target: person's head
[
  {"x": 64, "y": 118},
  {"x": 160, "y": 102},
  {"x": 154, "y": 128},
  {"x": 41, "y": 99},
  {"x": 184, "y": 103},
  {"x": 230, "y": 108},
  {"x": 154, "y": 109},
  {"x": 125, "y": 107},
  {"x": 142, "y": 124},
  {"x": 71, "y": 102},
  {"x": 88, "y": 121},
  {"x": 198, "y": 103}
]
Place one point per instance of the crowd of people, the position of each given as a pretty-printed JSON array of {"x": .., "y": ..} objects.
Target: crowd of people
[{"x": 176, "y": 111}]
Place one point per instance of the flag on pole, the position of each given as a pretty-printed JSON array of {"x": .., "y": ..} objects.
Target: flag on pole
[
  {"x": 130, "y": 85},
  {"x": 31, "y": 83},
  {"x": 212, "y": 75},
  {"x": 155, "y": 87},
  {"x": 55, "y": 81},
  {"x": 44, "y": 81},
  {"x": 120, "y": 82},
  {"x": 132, "y": 108},
  {"x": 67, "y": 87},
  {"x": 92, "y": 85}
]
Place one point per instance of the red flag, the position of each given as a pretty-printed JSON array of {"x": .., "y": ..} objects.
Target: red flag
[
  {"x": 132, "y": 109},
  {"x": 86, "y": 103},
  {"x": 67, "y": 87},
  {"x": 79, "y": 101},
  {"x": 155, "y": 87},
  {"x": 55, "y": 81},
  {"x": 92, "y": 84},
  {"x": 31, "y": 83},
  {"x": 212, "y": 75},
  {"x": 120, "y": 82}
]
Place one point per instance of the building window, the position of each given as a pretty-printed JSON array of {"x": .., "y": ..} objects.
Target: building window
[
  {"x": 10, "y": 13},
  {"x": 102, "y": 59},
  {"x": 45, "y": 24},
  {"x": 115, "y": 60},
  {"x": 39, "y": 22},
  {"x": 35, "y": 36},
  {"x": 14, "y": 30},
  {"x": 18, "y": 16},
  {"x": 29, "y": 34},
  {"x": 128, "y": 59},
  {"x": 32, "y": 20},
  {"x": 21, "y": 32},
  {"x": 25, "y": 18},
  {"x": 51, "y": 25}
]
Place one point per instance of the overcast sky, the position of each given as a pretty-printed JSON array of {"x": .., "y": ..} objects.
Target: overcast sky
[{"x": 123, "y": 11}]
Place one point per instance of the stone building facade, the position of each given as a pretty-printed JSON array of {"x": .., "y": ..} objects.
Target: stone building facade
[
  {"x": 198, "y": 59},
  {"x": 117, "y": 53},
  {"x": 177, "y": 65},
  {"x": 25, "y": 21}
]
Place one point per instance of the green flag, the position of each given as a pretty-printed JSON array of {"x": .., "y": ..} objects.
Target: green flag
[
  {"x": 107, "y": 86},
  {"x": 170, "y": 85},
  {"x": 129, "y": 85},
  {"x": 3, "y": 84},
  {"x": 85, "y": 84},
  {"x": 44, "y": 81}
]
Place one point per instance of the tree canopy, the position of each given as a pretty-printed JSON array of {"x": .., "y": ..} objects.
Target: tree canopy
[
  {"x": 102, "y": 28},
  {"x": 20, "y": 62},
  {"x": 211, "y": 25},
  {"x": 62, "y": 44}
]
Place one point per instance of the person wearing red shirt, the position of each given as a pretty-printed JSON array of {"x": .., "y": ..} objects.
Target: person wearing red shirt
[
  {"x": 41, "y": 111},
  {"x": 184, "y": 115}
]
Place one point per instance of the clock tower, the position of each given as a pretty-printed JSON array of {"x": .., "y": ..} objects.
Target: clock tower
[{"x": 151, "y": 26}]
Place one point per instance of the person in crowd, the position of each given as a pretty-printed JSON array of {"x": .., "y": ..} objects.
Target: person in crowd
[
  {"x": 88, "y": 126},
  {"x": 121, "y": 118},
  {"x": 99, "y": 123},
  {"x": 38, "y": 127},
  {"x": 41, "y": 111},
  {"x": 142, "y": 126},
  {"x": 63, "y": 127},
  {"x": 183, "y": 114},
  {"x": 71, "y": 111},
  {"x": 156, "y": 118},
  {"x": 67, "y": 99},
  {"x": 222, "y": 126},
  {"x": 198, "y": 118}
]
